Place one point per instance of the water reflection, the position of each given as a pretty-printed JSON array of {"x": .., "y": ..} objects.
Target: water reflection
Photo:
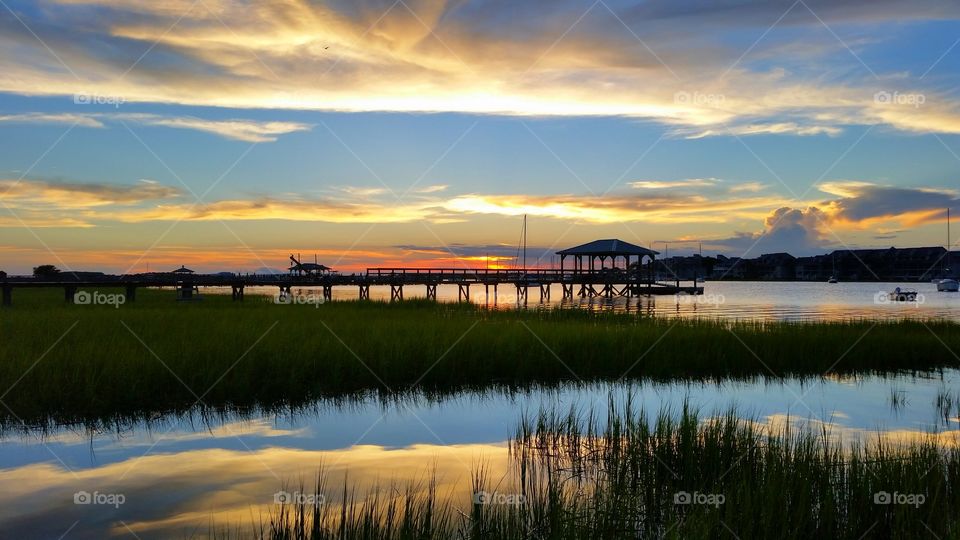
[
  {"x": 180, "y": 474},
  {"x": 753, "y": 300}
]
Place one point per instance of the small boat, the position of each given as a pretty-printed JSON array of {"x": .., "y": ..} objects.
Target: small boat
[
  {"x": 902, "y": 295},
  {"x": 833, "y": 277},
  {"x": 948, "y": 285}
]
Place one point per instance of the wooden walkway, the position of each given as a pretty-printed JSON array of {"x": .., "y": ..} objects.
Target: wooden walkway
[{"x": 603, "y": 283}]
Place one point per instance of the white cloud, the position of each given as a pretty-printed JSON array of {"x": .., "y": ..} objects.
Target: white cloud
[
  {"x": 82, "y": 120},
  {"x": 236, "y": 129},
  {"x": 661, "y": 184}
]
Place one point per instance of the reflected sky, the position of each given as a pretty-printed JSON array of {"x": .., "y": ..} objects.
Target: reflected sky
[
  {"x": 180, "y": 475},
  {"x": 741, "y": 300}
]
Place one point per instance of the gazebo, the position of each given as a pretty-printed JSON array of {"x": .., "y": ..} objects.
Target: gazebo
[
  {"x": 586, "y": 256},
  {"x": 183, "y": 270},
  {"x": 310, "y": 269}
]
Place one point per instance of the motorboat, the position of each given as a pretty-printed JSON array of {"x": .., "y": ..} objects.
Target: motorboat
[
  {"x": 832, "y": 280},
  {"x": 948, "y": 285},
  {"x": 902, "y": 295}
]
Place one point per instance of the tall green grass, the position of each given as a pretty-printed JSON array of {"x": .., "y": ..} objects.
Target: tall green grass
[
  {"x": 628, "y": 476},
  {"x": 157, "y": 355}
]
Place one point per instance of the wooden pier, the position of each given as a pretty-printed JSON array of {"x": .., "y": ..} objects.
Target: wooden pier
[
  {"x": 606, "y": 284},
  {"x": 590, "y": 277}
]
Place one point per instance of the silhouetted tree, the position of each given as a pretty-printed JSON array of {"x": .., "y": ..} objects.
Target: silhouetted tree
[{"x": 45, "y": 270}]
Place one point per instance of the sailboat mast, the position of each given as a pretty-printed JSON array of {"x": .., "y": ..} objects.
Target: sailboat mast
[{"x": 524, "y": 241}]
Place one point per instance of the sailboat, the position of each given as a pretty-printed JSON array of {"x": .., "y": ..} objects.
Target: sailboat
[
  {"x": 523, "y": 245},
  {"x": 948, "y": 284},
  {"x": 833, "y": 278}
]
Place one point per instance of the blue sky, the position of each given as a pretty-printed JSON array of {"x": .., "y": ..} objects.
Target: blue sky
[{"x": 417, "y": 132}]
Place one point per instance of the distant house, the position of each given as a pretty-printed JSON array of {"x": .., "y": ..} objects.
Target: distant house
[
  {"x": 907, "y": 264},
  {"x": 812, "y": 268},
  {"x": 776, "y": 266},
  {"x": 728, "y": 268},
  {"x": 692, "y": 267}
]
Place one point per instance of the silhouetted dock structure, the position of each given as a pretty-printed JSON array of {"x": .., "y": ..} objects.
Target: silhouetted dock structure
[{"x": 594, "y": 273}]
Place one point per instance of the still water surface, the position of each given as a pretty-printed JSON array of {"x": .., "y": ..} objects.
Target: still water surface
[
  {"x": 753, "y": 300},
  {"x": 177, "y": 476}
]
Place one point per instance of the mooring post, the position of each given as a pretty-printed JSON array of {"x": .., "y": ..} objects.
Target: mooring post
[
  {"x": 327, "y": 293},
  {"x": 431, "y": 291},
  {"x": 131, "y": 293}
]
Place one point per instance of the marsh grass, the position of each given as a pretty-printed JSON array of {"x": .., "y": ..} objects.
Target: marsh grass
[
  {"x": 156, "y": 355},
  {"x": 947, "y": 404},
  {"x": 583, "y": 476}
]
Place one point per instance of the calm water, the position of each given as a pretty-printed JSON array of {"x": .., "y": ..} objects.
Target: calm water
[
  {"x": 721, "y": 299},
  {"x": 177, "y": 476}
]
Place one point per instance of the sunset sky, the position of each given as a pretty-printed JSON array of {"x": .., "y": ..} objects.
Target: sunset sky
[{"x": 227, "y": 134}]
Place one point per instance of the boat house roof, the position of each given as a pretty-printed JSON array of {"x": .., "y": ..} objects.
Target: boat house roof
[{"x": 608, "y": 247}]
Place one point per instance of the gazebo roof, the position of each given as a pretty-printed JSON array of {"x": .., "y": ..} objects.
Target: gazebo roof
[
  {"x": 182, "y": 270},
  {"x": 608, "y": 247},
  {"x": 310, "y": 266}
]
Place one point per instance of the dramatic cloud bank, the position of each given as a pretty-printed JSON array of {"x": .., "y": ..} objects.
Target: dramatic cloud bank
[
  {"x": 483, "y": 56},
  {"x": 856, "y": 206}
]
